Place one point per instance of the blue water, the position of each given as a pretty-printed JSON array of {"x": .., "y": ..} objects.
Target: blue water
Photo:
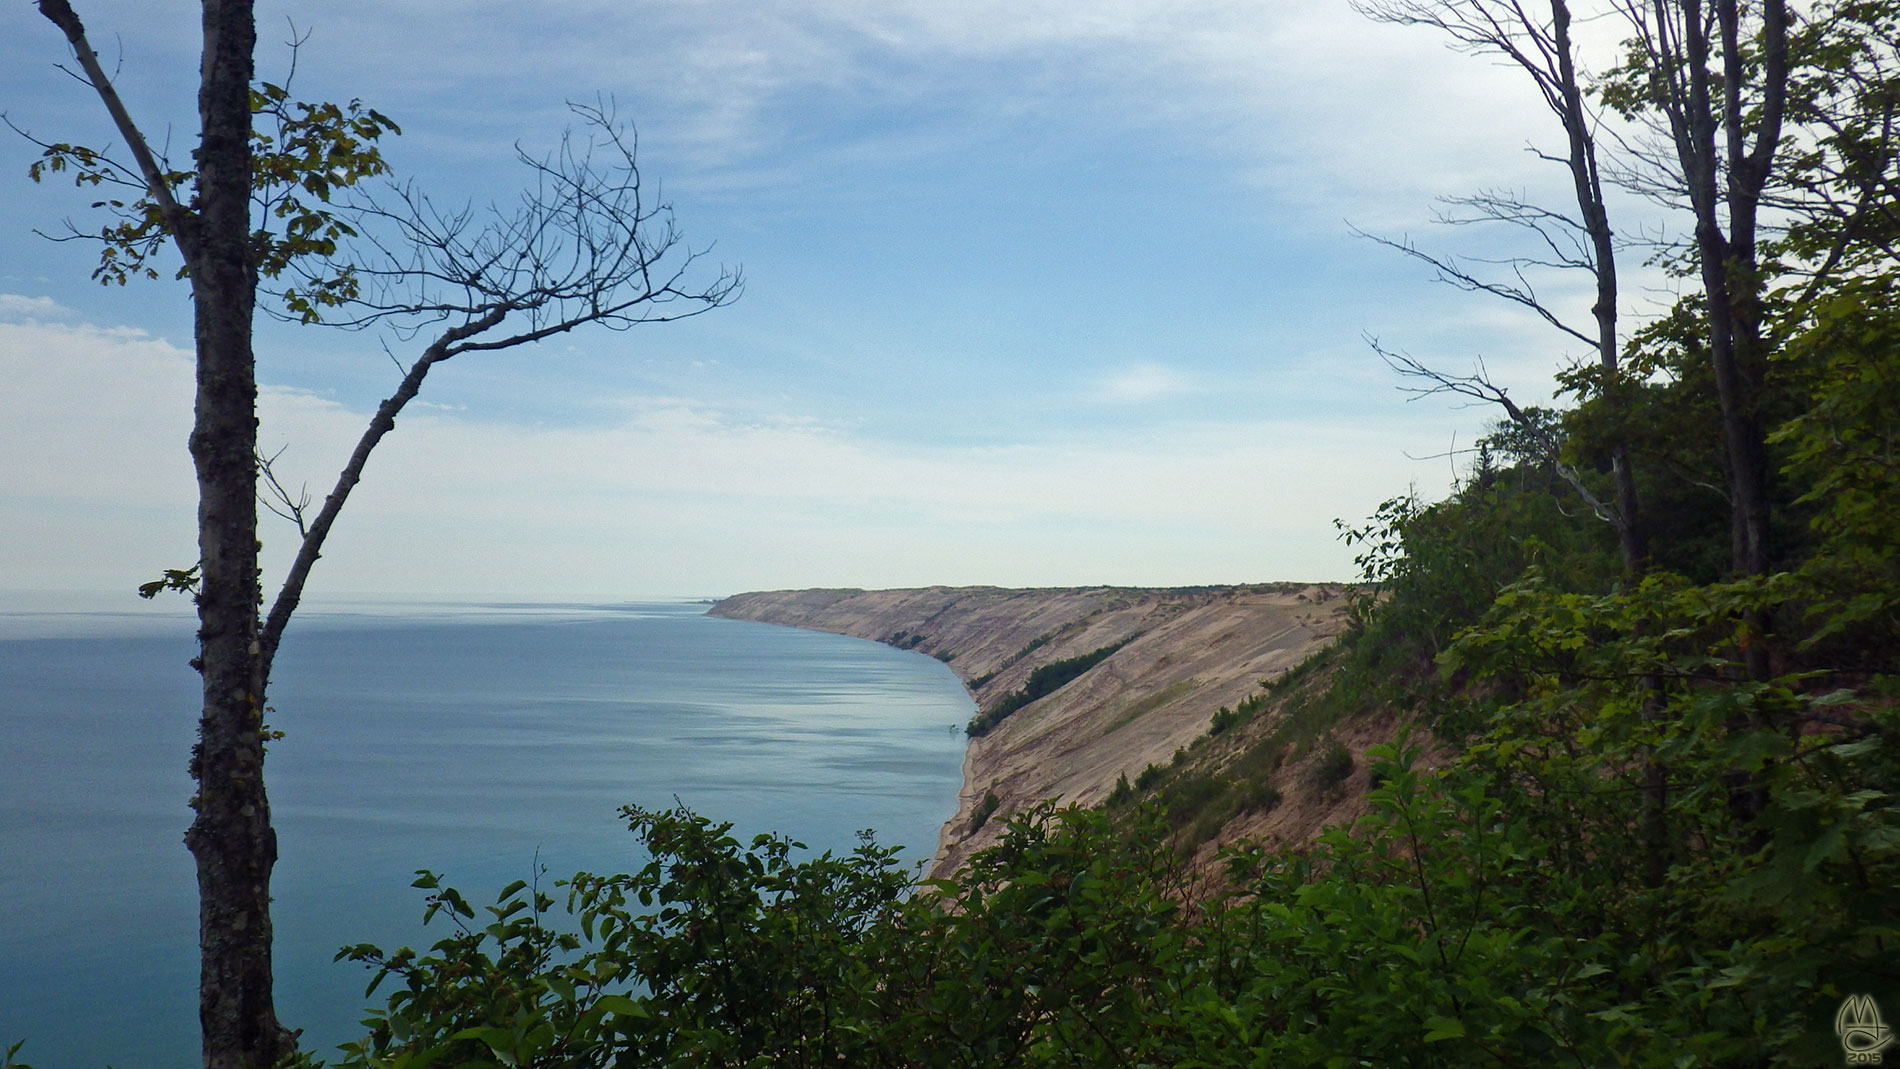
[{"x": 468, "y": 740}]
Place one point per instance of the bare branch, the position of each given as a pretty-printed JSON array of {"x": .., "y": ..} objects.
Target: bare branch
[
  {"x": 177, "y": 219},
  {"x": 311, "y": 548},
  {"x": 1565, "y": 238},
  {"x": 1540, "y": 44},
  {"x": 1478, "y": 387},
  {"x": 585, "y": 244},
  {"x": 1451, "y": 272},
  {"x": 278, "y": 499}
]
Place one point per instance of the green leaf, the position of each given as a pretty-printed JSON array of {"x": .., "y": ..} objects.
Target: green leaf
[{"x": 621, "y": 1005}]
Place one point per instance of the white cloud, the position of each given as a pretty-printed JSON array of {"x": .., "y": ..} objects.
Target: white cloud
[
  {"x": 684, "y": 495},
  {"x": 1141, "y": 383},
  {"x": 1313, "y": 100},
  {"x": 792, "y": 105},
  {"x": 93, "y": 415},
  {"x": 15, "y": 308},
  {"x": 97, "y": 489},
  {"x": 677, "y": 497}
]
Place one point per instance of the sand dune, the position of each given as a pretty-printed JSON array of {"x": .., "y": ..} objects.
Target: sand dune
[{"x": 1188, "y": 652}]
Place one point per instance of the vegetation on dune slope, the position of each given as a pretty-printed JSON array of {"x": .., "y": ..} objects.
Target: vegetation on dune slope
[
  {"x": 1041, "y": 683},
  {"x": 1499, "y": 910}
]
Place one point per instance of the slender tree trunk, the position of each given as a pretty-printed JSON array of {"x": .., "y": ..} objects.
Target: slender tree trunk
[
  {"x": 231, "y": 836},
  {"x": 1748, "y": 174},
  {"x": 1729, "y": 267},
  {"x": 1725, "y": 176},
  {"x": 1631, "y": 533},
  {"x": 616, "y": 279},
  {"x": 1725, "y": 167},
  {"x": 1632, "y": 538}
]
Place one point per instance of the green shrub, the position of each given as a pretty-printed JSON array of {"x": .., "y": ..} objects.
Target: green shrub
[
  {"x": 1260, "y": 797},
  {"x": 712, "y": 953},
  {"x": 1330, "y": 770},
  {"x": 1042, "y": 682},
  {"x": 1469, "y": 918},
  {"x": 1224, "y": 718},
  {"x": 983, "y": 812}
]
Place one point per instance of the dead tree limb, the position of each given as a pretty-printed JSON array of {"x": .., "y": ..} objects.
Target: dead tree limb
[
  {"x": 1536, "y": 38},
  {"x": 1478, "y": 387},
  {"x": 585, "y": 244}
]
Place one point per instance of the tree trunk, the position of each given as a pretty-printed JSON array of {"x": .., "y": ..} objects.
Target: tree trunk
[
  {"x": 1725, "y": 185},
  {"x": 1631, "y": 534},
  {"x": 616, "y": 280},
  {"x": 1632, "y": 539},
  {"x": 1729, "y": 260},
  {"x": 231, "y": 836},
  {"x": 1728, "y": 181}
]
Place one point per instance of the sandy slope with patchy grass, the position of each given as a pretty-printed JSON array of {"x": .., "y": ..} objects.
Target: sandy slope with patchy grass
[{"x": 1184, "y": 653}]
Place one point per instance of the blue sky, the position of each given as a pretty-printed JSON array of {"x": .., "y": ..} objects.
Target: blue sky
[{"x": 1038, "y": 293}]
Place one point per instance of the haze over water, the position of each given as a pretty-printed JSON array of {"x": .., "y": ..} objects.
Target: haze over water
[{"x": 469, "y": 740}]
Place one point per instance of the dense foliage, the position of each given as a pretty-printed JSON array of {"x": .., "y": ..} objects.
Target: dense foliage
[{"x": 1448, "y": 928}]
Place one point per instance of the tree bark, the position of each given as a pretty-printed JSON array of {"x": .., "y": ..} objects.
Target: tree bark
[
  {"x": 231, "y": 837},
  {"x": 1632, "y": 538},
  {"x": 1729, "y": 179}
]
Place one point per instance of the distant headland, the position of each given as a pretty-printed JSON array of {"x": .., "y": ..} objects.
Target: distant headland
[{"x": 1076, "y": 688}]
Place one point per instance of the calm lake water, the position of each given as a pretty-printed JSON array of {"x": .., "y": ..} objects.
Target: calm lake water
[{"x": 471, "y": 740}]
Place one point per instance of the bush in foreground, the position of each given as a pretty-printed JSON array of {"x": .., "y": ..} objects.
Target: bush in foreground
[{"x": 1447, "y": 928}]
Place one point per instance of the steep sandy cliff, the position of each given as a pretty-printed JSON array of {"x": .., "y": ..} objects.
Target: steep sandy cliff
[{"x": 1183, "y": 653}]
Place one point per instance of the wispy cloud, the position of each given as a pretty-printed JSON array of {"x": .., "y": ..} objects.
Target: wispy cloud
[
  {"x": 15, "y": 308},
  {"x": 1290, "y": 94},
  {"x": 1043, "y": 292},
  {"x": 1142, "y": 383},
  {"x": 679, "y": 494}
]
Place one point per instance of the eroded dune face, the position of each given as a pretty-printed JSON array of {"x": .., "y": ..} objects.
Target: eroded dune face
[{"x": 1181, "y": 654}]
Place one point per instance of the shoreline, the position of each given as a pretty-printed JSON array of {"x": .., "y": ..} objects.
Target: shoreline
[{"x": 1180, "y": 654}]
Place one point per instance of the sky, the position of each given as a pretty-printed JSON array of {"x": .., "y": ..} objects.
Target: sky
[{"x": 1037, "y": 293}]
